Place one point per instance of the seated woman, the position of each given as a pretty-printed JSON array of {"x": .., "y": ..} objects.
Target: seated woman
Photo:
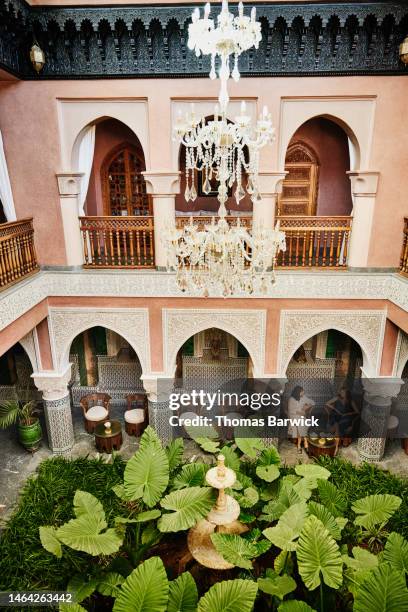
[
  {"x": 299, "y": 405},
  {"x": 342, "y": 413}
]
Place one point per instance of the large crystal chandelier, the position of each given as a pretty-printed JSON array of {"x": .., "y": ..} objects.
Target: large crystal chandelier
[{"x": 222, "y": 258}]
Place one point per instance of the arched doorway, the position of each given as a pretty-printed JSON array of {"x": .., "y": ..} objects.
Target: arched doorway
[
  {"x": 15, "y": 375},
  {"x": 123, "y": 185}
]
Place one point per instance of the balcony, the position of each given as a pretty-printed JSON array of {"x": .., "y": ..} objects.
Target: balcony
[
  {"x": 118, "y": 242},
  {"x": 128, "y": 242},
  {"x": 404, "y": 251},
  {"x": 17, "y": 252}
]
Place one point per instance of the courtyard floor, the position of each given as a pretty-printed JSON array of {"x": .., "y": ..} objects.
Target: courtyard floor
[{"x": 16, "y": 464}]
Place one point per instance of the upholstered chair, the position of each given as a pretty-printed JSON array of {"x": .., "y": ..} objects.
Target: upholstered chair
[
  {"x": 136, "y": 415},
  {"x": 96, "y": 408}
]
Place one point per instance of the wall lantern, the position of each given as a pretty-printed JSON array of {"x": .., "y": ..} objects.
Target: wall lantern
[
  {"x": 403, "y": 51},
  {"x": 37, "y": 57}
]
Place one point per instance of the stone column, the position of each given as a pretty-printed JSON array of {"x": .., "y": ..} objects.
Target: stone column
[
  {"x": 158, "y": 390},
  {"x": 57, "y": 408},
  {"x": 364, "y": 190},
  {"x": 378, "y": 396},
  {"x": 69, "y": 185},
  {"x": 163, "y": 186},
  {"x": 270, "y": 186}
]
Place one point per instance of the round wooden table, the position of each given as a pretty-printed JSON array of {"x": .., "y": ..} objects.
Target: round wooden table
[
  {"x": 107, "y": 441},
  {"x": 316, "y": 449}
]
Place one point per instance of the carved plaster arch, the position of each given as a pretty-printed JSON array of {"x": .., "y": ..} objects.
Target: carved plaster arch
[
  {"x": 247, "y": 326},
  {"x": 130, "y": 323},
  {"x": 401, "y": 354},
  {"x": 29, "y": 344},
  {"x": 366, "y": 327}
]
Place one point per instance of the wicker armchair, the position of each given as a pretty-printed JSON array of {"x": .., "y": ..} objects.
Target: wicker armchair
[
  {"x": 96, "y": 408},
  {"x": 136, "y": 415}
]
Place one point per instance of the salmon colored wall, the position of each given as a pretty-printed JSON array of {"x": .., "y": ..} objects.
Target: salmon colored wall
[
  {"x": 330, "y": 144},
  {"x": 108, "y": 135},
  {"x": 29, "y": 123},
  {"x": 22, "y": 326}
]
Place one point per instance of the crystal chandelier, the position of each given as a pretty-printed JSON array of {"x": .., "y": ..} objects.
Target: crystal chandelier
[
  {"x": 224, "y": 259},
  {"x": 231, "y": 36}
]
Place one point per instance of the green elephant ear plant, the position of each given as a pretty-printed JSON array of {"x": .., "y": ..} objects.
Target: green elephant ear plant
[{"x": 25, "y": 415}]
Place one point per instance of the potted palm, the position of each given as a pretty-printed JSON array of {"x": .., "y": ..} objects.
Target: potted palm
[{"x": 25, "y": 415}]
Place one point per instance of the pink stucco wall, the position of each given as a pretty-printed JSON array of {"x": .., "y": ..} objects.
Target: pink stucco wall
[{"x": 30, "y": 128}]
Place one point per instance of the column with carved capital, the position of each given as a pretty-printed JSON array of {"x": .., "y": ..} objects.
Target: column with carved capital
[
  {"x": 57, "y": 408},
  {"x": 69, "y": 185},
  {"x": 269, "y": 186},
  {"x": 378, "y": 396},
  {"x": 158, "y": 390},
  {"x": 364, "y": 190},
  {"x": 163, "y": 186}
]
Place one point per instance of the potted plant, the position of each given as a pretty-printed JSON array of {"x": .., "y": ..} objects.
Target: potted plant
[{"x": 25, "y": 415}]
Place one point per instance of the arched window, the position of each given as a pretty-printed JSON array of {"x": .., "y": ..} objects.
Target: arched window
[
  {"x": 299, "y": 191},
  {"x": 123, "y": 184}
]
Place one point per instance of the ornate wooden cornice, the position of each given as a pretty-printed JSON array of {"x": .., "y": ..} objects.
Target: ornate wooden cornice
[{"x": 151, "y": 41}]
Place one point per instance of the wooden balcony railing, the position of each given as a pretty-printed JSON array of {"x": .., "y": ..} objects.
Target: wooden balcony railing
[
  {"x": 118, "y": 242},
  {"x": 315, "y": 242},
  {"x": 17, "y": 252},
  {"x": 404, "y": 251},
  {"x": 203, "y": 220}
]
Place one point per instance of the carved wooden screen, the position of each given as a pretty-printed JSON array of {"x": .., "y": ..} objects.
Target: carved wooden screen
[
  {"x": 299, "y": 191},
  {"x": 124, "y": 186}
]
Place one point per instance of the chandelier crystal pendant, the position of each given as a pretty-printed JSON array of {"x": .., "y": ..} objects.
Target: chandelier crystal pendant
[{"x": 229, "y": 36}]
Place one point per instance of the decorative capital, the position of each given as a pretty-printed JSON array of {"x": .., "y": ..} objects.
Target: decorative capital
[
  {"x": 270, "y": 183},
  {"x": 162, "y": 183},
  {"x": 69, "y": 183},
  {"x": 364, "y": 183},
  {"x": 380, "y": 391},
  {"x": 52, "y": 384},
  {"x": 157, "y": 388}
]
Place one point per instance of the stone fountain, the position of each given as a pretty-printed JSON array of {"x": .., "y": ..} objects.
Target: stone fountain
[{"x": 223, "y": 518}]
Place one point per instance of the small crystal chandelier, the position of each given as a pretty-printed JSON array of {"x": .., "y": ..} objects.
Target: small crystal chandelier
[{"x": 231, "y": 36}]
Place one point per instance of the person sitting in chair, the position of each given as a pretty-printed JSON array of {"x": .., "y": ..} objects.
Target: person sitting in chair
[{"x": 342, "y": 412}]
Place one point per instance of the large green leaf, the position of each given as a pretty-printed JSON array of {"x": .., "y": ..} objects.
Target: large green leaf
[
  {"x": 109, "y": 584},
  {"x": 311, "y": 470},
  {"x": 232, "y": 459},
  {"x": 189, "y": 506},
  {"x": 276, "y": 585},
  {"x": 358, "y": 567},
  {"x": 295, "y": 606},
  {"x": 70, "y": 607},
  {"x": 318, "y": 556},
  {"x": 145, "y": 590},
  {"x": 229, "y": 596},
  {"x": 289, "y": 527},
  {"x": 234, "y": 549},
  {"x": 383, "y": 590},
  {"x": 248, "y": 498},
  {"x": 87, "y": 504},
  {"x": 375, "y": 509},
  {"x": 49, "y": 540},
  {"x": 191, "y": 475},
  {"x": 142, "y": 517},
  {"x": 183, "y": 594},
  {"x": 331, "y": 497},
  {"x": 174, "y": 452},
  {"x": 84, "y": 533},
  {"x": 396, "y": 552},
  {"x": 268, "y": 472},
  {"x": 250, "y": 446},
  {"x": 326, "y": 517},
  {"x": 147, "y": 472},
  {"x": 208, "y": 445},
  {"x": 81, "y": 587},
  {"x": 275, "y": 508}
]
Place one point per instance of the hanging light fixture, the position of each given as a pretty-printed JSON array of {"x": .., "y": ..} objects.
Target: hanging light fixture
[
  {"x": 222, "y": 258},
  {"x": 229, "y": 35},
  {"x": 37, "y": 57}
]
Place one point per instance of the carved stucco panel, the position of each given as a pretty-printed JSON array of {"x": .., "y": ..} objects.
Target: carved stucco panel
[
  {"x": 401, "y": 354},
  {"x": 248, "y": 326},
  {"x": 366, "y": 327},
  {"x": 131, "y": 323}
]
